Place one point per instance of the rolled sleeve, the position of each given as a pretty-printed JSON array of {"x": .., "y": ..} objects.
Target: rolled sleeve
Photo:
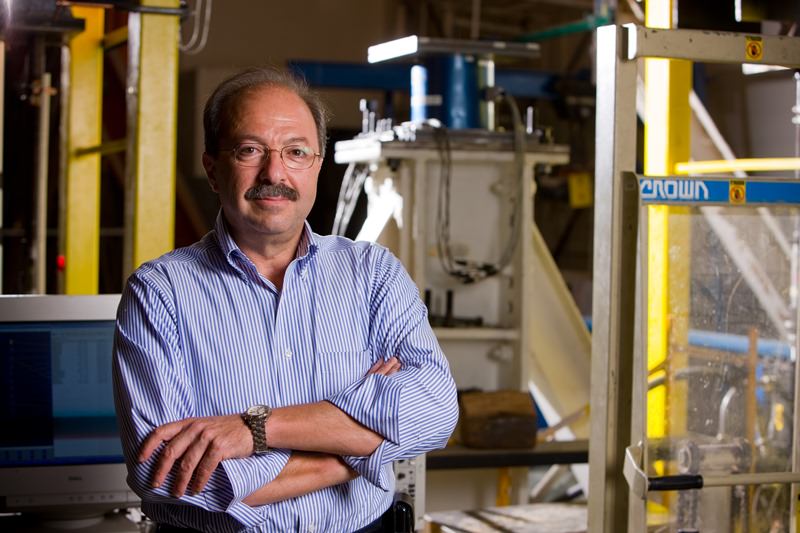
[
  {"x": 375, "y": 403},
  {"x": 414, "y": 409},
  {"x": 372, "y": 468},
  {"x": 251, "y": 473}
]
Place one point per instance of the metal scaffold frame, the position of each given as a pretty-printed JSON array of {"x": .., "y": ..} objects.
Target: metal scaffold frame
[
  {"x": 152, "y": 39},
  {"x": 617, "y": 313}
]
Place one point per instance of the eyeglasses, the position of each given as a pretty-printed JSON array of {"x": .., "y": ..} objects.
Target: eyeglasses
[{"x": 293, "y": 156}]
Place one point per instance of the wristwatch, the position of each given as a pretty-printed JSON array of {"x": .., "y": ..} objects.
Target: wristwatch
[{"x": 256, "y": 419}]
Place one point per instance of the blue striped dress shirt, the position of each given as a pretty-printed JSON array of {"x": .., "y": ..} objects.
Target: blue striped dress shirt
[{"x": 201, "y": 333}]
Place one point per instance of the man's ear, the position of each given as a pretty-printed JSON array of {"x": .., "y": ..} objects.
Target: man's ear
[{"x": 209, "y": 164}]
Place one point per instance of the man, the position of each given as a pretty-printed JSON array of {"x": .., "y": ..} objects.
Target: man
[{"x": 266, "y": 377}]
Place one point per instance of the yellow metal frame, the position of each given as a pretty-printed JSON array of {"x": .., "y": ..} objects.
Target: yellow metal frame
[
  {"x": 667, "y": 141},
  {"x": 152, "y": 125},
  {"x": 150, "y": 210},
  {"x": 81, "y": 244},
  {"x": 726, "y": 166}
]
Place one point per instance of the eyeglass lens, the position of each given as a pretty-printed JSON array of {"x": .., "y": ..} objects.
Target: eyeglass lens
[{"x": 296, "y": 157}]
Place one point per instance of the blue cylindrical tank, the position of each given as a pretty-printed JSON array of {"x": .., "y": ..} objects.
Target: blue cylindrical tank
[{"x": 446, "y": 88}]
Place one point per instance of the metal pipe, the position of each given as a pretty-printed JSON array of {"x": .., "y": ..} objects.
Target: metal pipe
[
  {"x": 738, "y": 165},
  {"x": 723, "y": 412},
  {"x": 2, "y": 120},
  {"x": 64, "y": 87},
  {"x": 133, "y": 7},
  {"x": 589, "y": 23},
  {"x": 486, "y": 81},
  {"x": 795, "y": 272},
  {"x": 40, "y": 207},
  {"x": 132, "y": 104}
]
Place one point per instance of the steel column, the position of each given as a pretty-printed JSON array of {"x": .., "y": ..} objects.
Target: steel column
[
  {"x": 614, "y": 275},
  {"x": 81, "y": 203},
  {"x": 40, "y": 202},
  {"x": 152, "y": 134},
  {"x": 2, "y": 121}
]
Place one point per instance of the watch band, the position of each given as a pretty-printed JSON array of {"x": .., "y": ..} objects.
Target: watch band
[{"x": 256, "y": 419}]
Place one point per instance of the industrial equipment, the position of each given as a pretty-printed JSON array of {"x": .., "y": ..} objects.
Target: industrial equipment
[
  {"x": 453, "y": 236},
  {"x": 53, "y": 58},
  {"x": 724, "y": 397},
  {"x": 455, "y": 202}
]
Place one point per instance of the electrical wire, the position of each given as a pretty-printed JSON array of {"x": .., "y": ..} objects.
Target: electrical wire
[
  {"x": 341, "y": 202},
  {"x": 467, "y": 271},
  {"x": 443, "y": 247},
  {"x": 197, "y": 42}
]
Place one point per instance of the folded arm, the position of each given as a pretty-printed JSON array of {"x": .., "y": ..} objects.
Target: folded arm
[
  {"x": 415, "y": 410},
  {"x": 193, "y": 448},
  {"x": 304, "y": 473},
  {"x": 383, "y": 416},
  {"x": 152, "y": 389}
]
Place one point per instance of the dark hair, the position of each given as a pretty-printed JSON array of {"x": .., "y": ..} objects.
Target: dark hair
[{"x": 232, "y": 88}]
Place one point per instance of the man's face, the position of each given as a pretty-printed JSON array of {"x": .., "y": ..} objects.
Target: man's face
[{"x": 274, "y": 117}]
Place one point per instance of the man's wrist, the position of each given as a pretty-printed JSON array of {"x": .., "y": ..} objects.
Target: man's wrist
[
  {"x": 339, "y": 471},
  {"x": 256, "y": 420}
]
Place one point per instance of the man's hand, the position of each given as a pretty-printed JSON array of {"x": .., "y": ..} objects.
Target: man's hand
[
  {"x": 385, "y": 368},
  {"x": 196, "y": 446}
]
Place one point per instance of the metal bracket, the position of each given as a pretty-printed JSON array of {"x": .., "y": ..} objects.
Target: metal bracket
[{"x": 641, "y": 484}]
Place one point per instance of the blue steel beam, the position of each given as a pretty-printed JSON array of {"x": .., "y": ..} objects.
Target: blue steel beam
[{"x": 397, "y": 77}]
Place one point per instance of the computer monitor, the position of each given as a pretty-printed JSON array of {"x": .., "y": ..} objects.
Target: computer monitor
[{"x": 60, "y": 453}]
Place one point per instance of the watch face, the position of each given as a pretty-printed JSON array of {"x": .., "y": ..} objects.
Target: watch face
[{"x": 257, "y": 410}]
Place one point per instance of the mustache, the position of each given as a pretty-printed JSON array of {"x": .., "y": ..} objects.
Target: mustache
[{"x": 266, "y": 190}]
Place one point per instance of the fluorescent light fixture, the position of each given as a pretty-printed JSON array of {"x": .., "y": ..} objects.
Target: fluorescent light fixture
[
  {"x": 393, "y": 49},
  {"x": 414, "y": 45}
]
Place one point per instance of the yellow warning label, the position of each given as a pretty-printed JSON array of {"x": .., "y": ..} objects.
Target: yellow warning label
[
  {"x": 581, "y": 190},
  {"x": 754, "y": 48},
  {"x": 737, "y": 192}
]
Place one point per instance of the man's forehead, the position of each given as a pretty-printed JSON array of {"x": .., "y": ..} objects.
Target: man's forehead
[
  {"x": 277, "y": 96},
  {"x": 275, "y": 103}
]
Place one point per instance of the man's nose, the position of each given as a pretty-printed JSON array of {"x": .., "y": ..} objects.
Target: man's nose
[{"x": 272, "y": 166}]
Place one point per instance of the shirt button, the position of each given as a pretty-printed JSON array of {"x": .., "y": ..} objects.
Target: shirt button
[
  {"x": 288, "y": 353},
  {"x": 312, "y": 528}
]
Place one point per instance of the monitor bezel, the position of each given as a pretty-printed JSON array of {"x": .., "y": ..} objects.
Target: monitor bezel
[{"x": 64, "y": 490}]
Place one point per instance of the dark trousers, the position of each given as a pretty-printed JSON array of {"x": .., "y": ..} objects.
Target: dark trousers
[
  {"x": 374, "y": 527},
  {"x": 388, "y": 522}
]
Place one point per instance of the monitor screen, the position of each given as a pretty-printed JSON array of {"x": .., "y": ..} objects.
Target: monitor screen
[
  {"x": 55, "y": 391},
  {"x": 60, "y": 449}
]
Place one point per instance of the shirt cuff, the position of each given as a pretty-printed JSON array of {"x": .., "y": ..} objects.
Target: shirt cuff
[
  {"x": 373, "y": 402},
  {"x": 215, "y": 496},
  {"x": 248, "y": 474},
  {"x": 372, "y": 468}
]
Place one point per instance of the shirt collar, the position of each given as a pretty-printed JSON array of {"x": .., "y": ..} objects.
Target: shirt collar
[{"x": 307, "y": 246}]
